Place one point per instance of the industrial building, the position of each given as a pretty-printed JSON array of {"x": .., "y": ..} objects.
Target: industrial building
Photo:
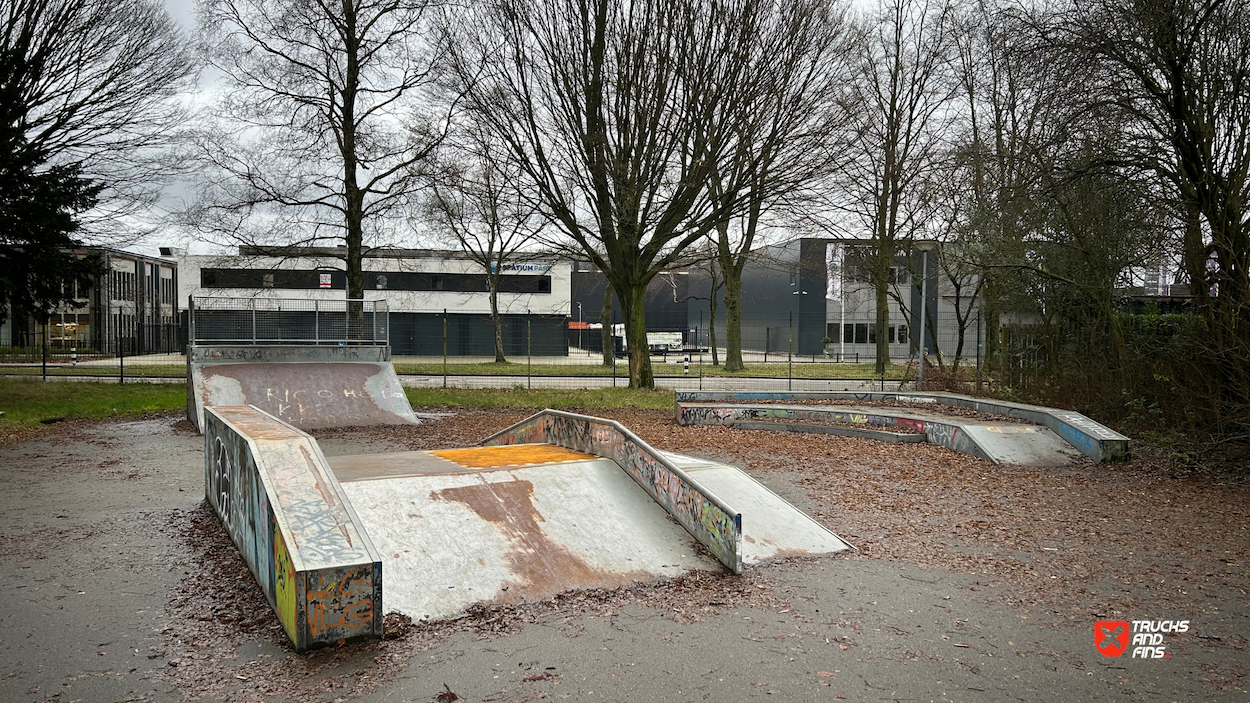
[{"x": 435, "y": 297}]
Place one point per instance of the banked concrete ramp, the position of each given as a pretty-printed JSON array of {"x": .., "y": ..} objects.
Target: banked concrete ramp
[{"x": 310, "y": 387}]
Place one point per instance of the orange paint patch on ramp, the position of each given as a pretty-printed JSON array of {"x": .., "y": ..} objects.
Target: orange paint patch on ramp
[{"x": 511, "y": 455}]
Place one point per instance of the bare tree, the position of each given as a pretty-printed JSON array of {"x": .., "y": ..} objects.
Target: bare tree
[
  {"x": 618, "y": 114},
  {"x": 1179, "y": 72},
  {"x": 99, "y": 90},
  {"x": 903, "y": 87},
  {"x": 478, "y": 200},
  {"x": 792, "y": 131},
  {"x": 329, "y": 116}
]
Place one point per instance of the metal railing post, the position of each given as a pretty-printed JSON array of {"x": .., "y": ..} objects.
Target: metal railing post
[
  {"x": 529, "y": 353},
  {"x": 253, "y": 321},
  {"x": 190, "y": 320},
  {"x": 316, "y": 322},
  {"x": 790, "y": 356},
  {"x": 444, "y": 347},
  {"x": 44, "y": 348}
]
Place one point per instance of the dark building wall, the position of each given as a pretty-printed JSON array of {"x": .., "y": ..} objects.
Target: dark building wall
[
  {"x": 780, "y": 284},
  {"x": 422, "y": 334},
  {"x": 665, "y": 306}
]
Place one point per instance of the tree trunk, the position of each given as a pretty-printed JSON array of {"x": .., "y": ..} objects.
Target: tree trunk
[
  {"x": 733, "y": 323},
  {"x": 632, "y": 298},
  {"x": 883, "y": 324},
  {"x": 352, "y": 195},
  {"x": 605, "y": 331},
  {"x": 495, "y": 319},
  {"x": 711, "y": 330}
]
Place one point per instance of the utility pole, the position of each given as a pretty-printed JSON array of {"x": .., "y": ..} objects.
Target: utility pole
[{"x": 924, "y": 304}]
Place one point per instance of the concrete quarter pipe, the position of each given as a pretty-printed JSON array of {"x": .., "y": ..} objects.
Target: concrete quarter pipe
[{"x": 310, "y": 387}]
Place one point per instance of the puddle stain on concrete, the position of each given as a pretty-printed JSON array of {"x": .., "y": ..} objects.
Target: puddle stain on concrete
[{"x": 541, "y": 566}]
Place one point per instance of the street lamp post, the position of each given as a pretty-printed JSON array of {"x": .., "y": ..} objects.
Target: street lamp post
[
  {"x": 790, "y": 355},
  {"x": 579, "y": 327}
]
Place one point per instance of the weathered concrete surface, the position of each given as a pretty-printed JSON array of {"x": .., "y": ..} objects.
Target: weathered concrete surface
[
  {"x": 707, "y": 518},
  {"x": 310, "y": 387},
  {"x": 287, "y": 514},
  {"x": 504, "y": 524},
  {"x": 1007, "y": 443},
  {"x": 1091, "y": 438},
  {"x": 504, "y": 535},
  {"x": 1021, "y": 445},
  {"x": 771, "y": 526}
]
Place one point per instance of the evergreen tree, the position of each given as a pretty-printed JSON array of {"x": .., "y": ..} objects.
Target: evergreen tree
[{"x": 39, "y": 204}]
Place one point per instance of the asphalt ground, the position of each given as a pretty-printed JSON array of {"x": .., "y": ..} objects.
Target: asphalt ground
[{"x": 971, "y": 583}]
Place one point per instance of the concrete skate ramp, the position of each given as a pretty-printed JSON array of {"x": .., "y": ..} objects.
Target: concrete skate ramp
[
  {"x": 771, "y": 526},
  {"x": 523, "y": 522},
  {"x": 1008, "y": 443},
  {"x": 308, "y": 386},
  {"x": 282, "y": 507},
  {"x": 1092, "y": 439},
  {"x": 711, "y": 521},
  {"x": 451, "y": 536}
]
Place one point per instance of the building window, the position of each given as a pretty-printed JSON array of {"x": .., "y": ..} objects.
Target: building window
[
  {"x": 381, "y": 282},
  {"x": 266, "y": 280},
  {"x": 902, "y": 334}
]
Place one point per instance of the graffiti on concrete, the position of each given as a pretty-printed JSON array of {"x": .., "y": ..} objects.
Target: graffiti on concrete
[
  {"x": 941, "y": 433},
  {"x": 285, "y": 353},
  {"x": 703, "y": 415},
  {"x": 701, "y": 515},
  {"x": 1077, "y": 438},
  {"x": 284, "y": 586},
  {"x": 341, "y": 602},
  {"x": 917, "y": 425},
  {"x": 284, "y": 511}
]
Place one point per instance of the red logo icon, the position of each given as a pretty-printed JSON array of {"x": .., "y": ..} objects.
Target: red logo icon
[{"x": 1111, "y": 637}]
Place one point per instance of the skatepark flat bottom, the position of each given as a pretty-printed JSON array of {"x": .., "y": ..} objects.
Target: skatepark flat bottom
[{"x": 524, "y": 522}]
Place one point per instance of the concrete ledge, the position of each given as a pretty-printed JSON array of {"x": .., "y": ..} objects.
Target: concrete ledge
[
  {"x": 283, "y": 508},
  {"x": 1092, "y": 439},
  {"x": 707, "y": 518}
]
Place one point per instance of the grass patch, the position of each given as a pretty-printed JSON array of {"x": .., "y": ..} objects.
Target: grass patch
[
  {"x": 769, "y": 370},
  {"x": 160, "y": 370},
  {"x": 539, "y": 398},
  {"x": 30, "y": 403}
]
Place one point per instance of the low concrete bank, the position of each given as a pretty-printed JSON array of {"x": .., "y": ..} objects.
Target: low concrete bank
[
  {"x": 707, "y": 518},
  {"x": 1092, "y": 439},
  {"x": 287, "y": 514}
]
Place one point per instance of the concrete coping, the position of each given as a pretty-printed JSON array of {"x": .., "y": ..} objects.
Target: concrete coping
[
  {"x": 210, "y": 353},
  {"x": 706, "y": 517}
]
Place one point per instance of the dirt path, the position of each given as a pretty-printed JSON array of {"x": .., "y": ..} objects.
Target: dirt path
[{"x": 972, "y": 582}]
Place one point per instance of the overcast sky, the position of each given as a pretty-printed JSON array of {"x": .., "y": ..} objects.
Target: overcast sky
[{"x": 183, "y": 11}]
